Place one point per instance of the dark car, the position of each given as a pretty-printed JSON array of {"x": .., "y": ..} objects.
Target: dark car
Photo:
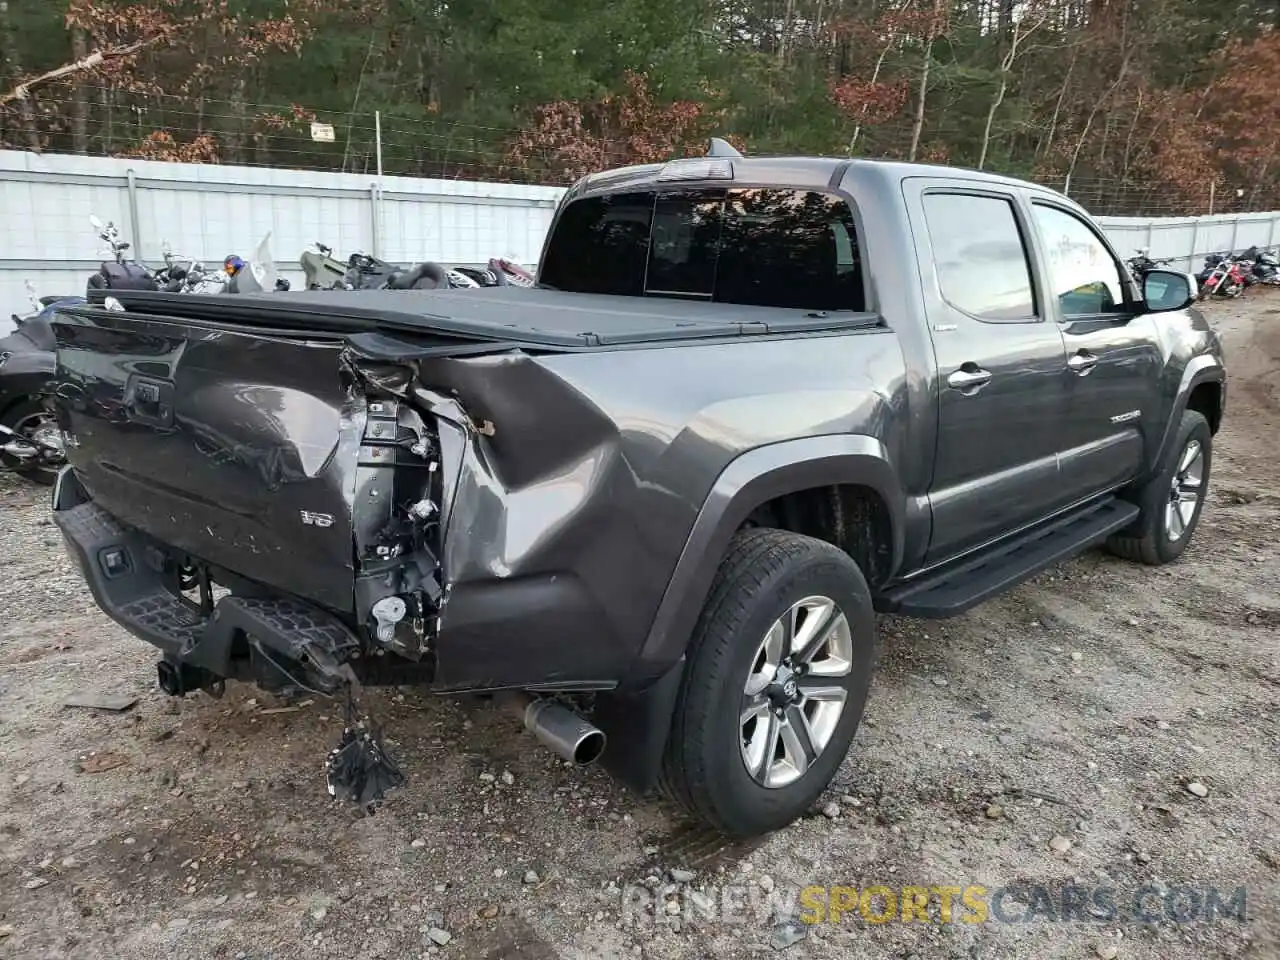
[{"x": 661, "y": 495}]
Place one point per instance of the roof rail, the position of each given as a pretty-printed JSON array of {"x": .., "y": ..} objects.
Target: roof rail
[{"x": 722, "y": 148}]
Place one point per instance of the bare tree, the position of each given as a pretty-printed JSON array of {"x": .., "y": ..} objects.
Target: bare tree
[
  {"x": 1021, "y": 29},
  {"x": 934, "y": 27}
]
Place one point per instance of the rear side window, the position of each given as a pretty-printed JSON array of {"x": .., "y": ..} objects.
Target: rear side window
[
  {"x": 979, "y": 256},
  {"x": 781, "y": 248},
  {"x": 601, "y": 245},
  {"x": 759, "y": 247}
]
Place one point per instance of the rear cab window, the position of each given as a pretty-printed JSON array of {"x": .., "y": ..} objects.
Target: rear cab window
[{"x": 758, "y": 246}]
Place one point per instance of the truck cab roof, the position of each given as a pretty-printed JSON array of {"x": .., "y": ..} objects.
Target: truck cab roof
[{"x": 813, "y": 173}]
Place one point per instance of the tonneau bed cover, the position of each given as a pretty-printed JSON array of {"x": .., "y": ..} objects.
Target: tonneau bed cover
[{"x": 534, "y": 318}]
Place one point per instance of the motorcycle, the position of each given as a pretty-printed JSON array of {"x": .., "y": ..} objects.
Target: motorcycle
[
  {"x": 501, "y": 272},
  {"x": 364, "y": 272},
  {"x": 180, "y": 274},
  {"x": 1142, "y": 264},
  {"x": 429, "y": 276},
  {"x": 369, "y": 273},
  {"x": 30, "y": 439},
  {"x": 258, "y": 275},
  {"x": 120, "y": 273},
  {"x": 183, "y": 274},
  {"x": 1222, "y": 276},
  {"x": 322, "y": 269},
  {"x": 1259, "y": 266},
  {"x": 1266, "y": 268}
]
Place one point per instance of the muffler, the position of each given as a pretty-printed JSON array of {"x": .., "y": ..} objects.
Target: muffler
[{"x": 558, "y": 728}]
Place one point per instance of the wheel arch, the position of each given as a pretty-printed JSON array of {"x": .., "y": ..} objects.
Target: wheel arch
[
  {"x": 20, "y": 390},
  {"x": 1202, "y": 388},
  {"x": 1206, "y": 399},
  {"x": 23, "y": 376},
  {"x": 849, "y": 474}
]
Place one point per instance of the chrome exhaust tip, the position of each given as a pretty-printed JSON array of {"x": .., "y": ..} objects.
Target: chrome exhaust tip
[{"x": 559, "y": 729}]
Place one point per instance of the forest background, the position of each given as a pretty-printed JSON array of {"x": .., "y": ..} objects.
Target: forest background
[{"x": 1133, "y": 107}]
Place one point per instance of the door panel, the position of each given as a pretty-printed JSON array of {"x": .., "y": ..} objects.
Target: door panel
[
  {"x": 996, "y": 466},
  {"x": 1113, "y": 360},
  {"x": 999, "y": 366}
]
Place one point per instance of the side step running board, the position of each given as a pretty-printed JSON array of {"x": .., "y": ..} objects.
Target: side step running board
[{"x": 959, "y": 587}]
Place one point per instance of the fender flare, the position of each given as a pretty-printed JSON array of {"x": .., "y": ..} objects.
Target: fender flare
[
  {"x": 24, "y": 379},
  {"x": 34, "y": 364},
  {"x": 753, "y": 478},
  {"x": 1204, "y": 368}
]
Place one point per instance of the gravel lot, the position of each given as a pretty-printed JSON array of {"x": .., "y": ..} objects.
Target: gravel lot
[{"x": 1057, "y": 735}]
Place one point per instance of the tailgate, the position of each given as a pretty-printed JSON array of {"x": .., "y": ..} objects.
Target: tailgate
[{"x": 238, "y": 448}]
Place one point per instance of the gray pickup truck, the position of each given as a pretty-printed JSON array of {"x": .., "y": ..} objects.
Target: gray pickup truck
[{"x": 655, "y": 502}]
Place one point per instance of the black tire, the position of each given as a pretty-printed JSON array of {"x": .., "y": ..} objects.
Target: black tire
[
  {"x": 40, "y": 472},
  {"x": 764, "y": 573},
  {"x": 1150, "y": 541}
]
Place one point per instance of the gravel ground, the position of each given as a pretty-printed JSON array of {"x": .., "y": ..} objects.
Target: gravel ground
[{"x": 1058, "y": 736}]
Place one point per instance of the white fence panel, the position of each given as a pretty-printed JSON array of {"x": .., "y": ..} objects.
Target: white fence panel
[
  {"x": 1189, "y": 239},
  {"x": 208, "y": 211}
]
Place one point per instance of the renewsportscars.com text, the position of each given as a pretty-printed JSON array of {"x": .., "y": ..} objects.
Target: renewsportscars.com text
[{"x": 933, "y": 904}]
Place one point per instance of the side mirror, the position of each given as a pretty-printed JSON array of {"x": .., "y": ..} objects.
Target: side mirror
[{"x": 1166, "y": 290}]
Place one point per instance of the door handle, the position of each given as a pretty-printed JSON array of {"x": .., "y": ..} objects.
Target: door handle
[
  {"x": 1082, "y": 362},
  {"x": 970, "y": 379}
]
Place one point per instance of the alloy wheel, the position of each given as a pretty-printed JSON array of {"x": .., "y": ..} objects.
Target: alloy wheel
[
  {"x": 796, "y": 691},
  {"x": 1185, "y": 492}
]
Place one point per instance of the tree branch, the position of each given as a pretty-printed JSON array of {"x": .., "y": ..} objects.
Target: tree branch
[{"x": 91, "y": 62}]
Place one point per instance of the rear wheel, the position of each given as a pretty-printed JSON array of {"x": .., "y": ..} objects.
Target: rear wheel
[
  {"x": 31, "y": 421},
  {"x": 779, "y": 669},
  {"x": 1173, "y": 499}
]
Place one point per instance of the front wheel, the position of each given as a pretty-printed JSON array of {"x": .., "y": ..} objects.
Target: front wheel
[
  {"x": 777, "y": 679},
  {"x": 1171, "y": 502}
]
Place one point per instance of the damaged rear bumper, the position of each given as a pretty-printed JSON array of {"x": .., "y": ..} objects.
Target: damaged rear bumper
[
  {"x": 280, "y": 641},
  {"x": 274, "y": 640}
]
